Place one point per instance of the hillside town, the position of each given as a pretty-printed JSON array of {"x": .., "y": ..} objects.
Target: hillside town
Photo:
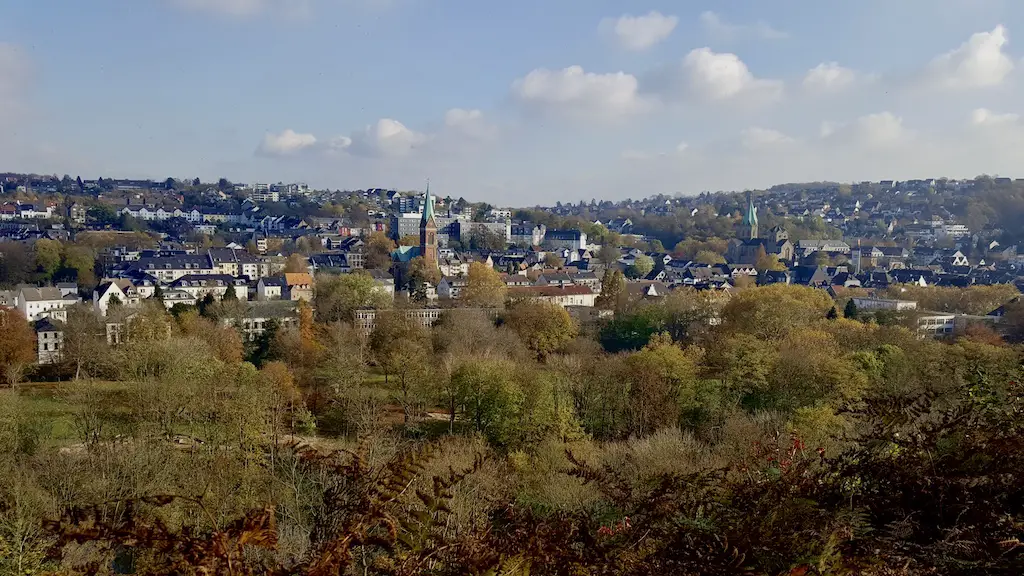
[{"x": 266, "y": 245}]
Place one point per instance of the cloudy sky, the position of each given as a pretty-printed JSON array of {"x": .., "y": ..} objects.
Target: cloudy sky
[{"x": 515, "y": 103}]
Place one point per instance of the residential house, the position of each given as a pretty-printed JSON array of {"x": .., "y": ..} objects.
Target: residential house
[
  {"x": 49, "y": 340},
  {"x": 566, "y": 295},
  {"x": 270, "y": 288},
  {"x": 871, "y": 304},
  {"x": 38, "y": 303},
  {"x": 298, "y": 286},
  {"x": 450, "y": 287},
  {"x": 118, "y": 290},
  {"x": 175, "y": 296},
  {"x": 383, "y": 282},
  {"x": 258, "y": 316},
  {"x": 200, "y": 285},
  {"x": 570, "y": 239}
]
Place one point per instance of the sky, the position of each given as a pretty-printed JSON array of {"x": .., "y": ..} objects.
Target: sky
[{"x": 514, "y": 103}]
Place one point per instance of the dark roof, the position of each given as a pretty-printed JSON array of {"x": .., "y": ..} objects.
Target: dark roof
[{"x": 48, "y": 325}]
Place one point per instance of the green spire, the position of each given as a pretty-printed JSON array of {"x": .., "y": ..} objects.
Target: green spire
[
  {"x": 428, "y": 206},
  {"x": 750, "y": 219}
]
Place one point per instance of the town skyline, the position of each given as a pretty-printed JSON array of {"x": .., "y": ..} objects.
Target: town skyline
[{"x": 604, "y": 100}]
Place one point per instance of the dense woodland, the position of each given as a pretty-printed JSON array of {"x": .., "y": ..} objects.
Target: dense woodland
[{"x": 759, "y": 434}]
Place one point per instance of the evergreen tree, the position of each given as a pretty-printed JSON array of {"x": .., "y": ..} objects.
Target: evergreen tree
[
  {"x": 229, "y": 294},
  {"x": 206, "y": 304},
  {"x": 851, "y": 310},
  {"x": 833, "y": 314},
  {"x": 262, "y": 347}
]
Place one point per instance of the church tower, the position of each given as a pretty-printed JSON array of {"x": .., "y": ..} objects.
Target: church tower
[
  {"x": 428, "y": 231},
  {"x": 748, "y": 229}
]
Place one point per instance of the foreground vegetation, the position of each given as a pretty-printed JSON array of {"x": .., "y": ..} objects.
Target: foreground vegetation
[{"x": 782, "y": 440}]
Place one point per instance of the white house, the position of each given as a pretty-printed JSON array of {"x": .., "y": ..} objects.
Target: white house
[
  {"x": 570, "y": 295},
  {"x": 217, "y": 284},
  {"x": 38, "y": 303},
  {"x": 270, "y": 288},
  {"x": 121, "y": 291}
]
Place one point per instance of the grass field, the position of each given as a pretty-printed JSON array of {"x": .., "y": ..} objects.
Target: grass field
[{"x": 54, "y": 407}]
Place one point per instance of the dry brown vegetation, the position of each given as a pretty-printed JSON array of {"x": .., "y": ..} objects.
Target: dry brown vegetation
[{"x": 778, "y": 442}]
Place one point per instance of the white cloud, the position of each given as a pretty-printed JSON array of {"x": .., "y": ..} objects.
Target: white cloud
[
  {"x": 986, "y": 117},
  {"x": 829, "y": 77},
  {"x": 721, "y": 76},
  {"x": 978, "y": 63},
  {"x": 285, "y": 143},
  {"x": 226, "y": 7},
  {"x": 722, "y": 30},
  {"x": 387, "y": 137},
  {"x": 756, "y": 138},
  {"x": 470, "y": 123},
  {"x": 640, "y": 155},
  {"x": 639, "y": 33},
  {"x": 575, "y": 91},
  {"x": 869, "y": 131}
]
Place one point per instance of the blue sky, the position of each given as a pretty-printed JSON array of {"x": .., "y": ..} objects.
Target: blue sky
[{"x": 513, "y": 102}]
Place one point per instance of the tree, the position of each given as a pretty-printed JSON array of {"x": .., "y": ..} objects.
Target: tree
[
  {"x": 833, "y": 314},
  {"x": 419, "y": 271},
  {"x": 608, "y": 254},
  {"x": 552, "y": 260},
  {"x": 378, "y": 250},
  {"x": 400, "y": 348},
  {"x": 80, "y": 261},
  {"x": 484, "y": 287},
  {"x": 768, "y": 262},
  {"x": 337, "y": 297},
  {"x": 47, "y": 257},
  {"x": 169, "y": 184},
  {"x": 84, "y": 347},
  {"x": 485, "y": 239},
  {"x": 709, "y": 257},
  {"x": 229, "y": 294},
  {"x": 101, "y": 215},
  {"x": 196, "y": 182},
  {"x": 409, "y": 240},
  {"x": 206, "y": 305},
  {"x": 613, "y": 289},
  {"x": 16, "y": 263},
  {"x": 296, "y": 263},
  {"x": 771, "y": 311},
  {"x": 17, "y": 346},
  {"x": 662, "y": 382},
  {"x": 850, "y": 310},
  {"x": 489, "y": 398},
  {"x": 223, "y": 184},
  {"x": 642, "y": 266},
  {"x": 544, "y": 327}
]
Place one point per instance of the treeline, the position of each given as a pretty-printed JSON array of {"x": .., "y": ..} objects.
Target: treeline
[{"x": 700, "y": 434}]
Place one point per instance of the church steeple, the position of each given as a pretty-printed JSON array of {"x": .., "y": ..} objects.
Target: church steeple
[
  {"x": 428, "y": 207},
  {"x": 748, "y": 229},
  {"x": 428, "y": 231}
]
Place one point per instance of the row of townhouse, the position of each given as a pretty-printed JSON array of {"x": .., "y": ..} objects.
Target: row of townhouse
[
  {"x": 194, "y": 216},
  {"x": 191, "y": 289},
  {"x": 169, "y": 266},
  {"x": 12, "y": 211}
]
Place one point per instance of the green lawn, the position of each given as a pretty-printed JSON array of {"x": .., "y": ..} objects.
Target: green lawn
[{"x": 53, "y": 408}]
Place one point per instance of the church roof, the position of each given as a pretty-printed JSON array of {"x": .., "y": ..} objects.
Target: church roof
[
  {"x": 428, "y": 207},
  {"x": 750, "y": 218}
]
